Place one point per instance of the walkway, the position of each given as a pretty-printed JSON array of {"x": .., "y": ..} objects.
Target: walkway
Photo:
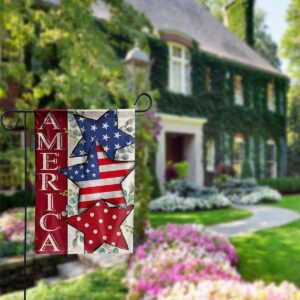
[{"x": 262, "y": 217}]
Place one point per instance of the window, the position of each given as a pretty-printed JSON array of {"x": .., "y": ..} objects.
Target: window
[
  {"x": 271, "y": 159},
  {"x": 238, "y": 154},
  {"x": 180, "y": 69},
  {"x": 238, "y": 90},
  {"x": 207, "y": 80},
  {"x": 271, "y": 97},
  {"x": 210, "y": 156}
]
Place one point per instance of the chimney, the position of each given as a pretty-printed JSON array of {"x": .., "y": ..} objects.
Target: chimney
[{"x": 238, "y": 16}]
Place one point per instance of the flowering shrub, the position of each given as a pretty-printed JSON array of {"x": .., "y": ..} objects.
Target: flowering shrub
[
  {"x": 257, "y": 195},
  {"x": 173, "y": 202},
  {"x": 230, "y": 290},
  {"x": 12, "y": 230},
  {"x": 171, "y": 173},
  {"x": 176, "y": 253},
  {"x": 184, "y": 262}
]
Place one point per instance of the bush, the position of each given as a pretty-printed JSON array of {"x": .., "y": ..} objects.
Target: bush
[
  {"x": 284, "y": 185},
  {"x": 186, "y": 188},
  {"x": 257, "y": 195},
  {"x": 183, "y": 169},
  {"x": 15, "y": 200},
  {"x": 12, "y": 231},
  {"x": 173, "y": 202},
  {"x": 247, "y": 171}
]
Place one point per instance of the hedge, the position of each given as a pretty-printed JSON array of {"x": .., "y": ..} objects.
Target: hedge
[
  {"x": 15, "y": 200},
  {"x": 285, "y": 185}
]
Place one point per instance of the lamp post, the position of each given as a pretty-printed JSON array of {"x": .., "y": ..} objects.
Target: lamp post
[{"x": 137, "y": 66}]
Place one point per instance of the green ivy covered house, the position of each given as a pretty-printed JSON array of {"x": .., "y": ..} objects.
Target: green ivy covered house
[{"x": 220, "y": 102}]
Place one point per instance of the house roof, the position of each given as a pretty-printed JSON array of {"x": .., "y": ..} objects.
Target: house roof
[{"x": 189, "y": 18}]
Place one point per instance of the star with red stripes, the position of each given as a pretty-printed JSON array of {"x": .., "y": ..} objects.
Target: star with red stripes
[
  {"x": 106, "y": 185},
  {"x": 101, "y": 224}
]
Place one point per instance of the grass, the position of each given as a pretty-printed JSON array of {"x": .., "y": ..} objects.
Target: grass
[
  {"x": 209, "y": 217},
  {"x": 272, "y": 254},
  {"x": 104, "y": 284}
]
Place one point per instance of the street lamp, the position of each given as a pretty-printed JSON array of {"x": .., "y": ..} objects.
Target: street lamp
[{"x": 137, "y": 66}]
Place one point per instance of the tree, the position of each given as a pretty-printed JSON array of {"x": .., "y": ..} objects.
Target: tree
[
  {"x": 263, "y": 42},
  {"x": 60, "y": 56},
  {"x": 290, "y": 50}
]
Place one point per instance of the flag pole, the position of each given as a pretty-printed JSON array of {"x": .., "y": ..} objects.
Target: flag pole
[{"x": 14, "y": 127}]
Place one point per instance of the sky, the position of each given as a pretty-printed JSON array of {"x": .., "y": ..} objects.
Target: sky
[{"x": 275, "y": 18}]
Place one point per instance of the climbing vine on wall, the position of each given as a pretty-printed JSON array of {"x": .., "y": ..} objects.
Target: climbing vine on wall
[{"x": 253, "y": 119}]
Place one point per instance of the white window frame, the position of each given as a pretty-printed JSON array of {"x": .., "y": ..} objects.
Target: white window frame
[
  {"x": 210, "y": 156},
  {"x": 271, "y": 97},
  {"x": 238, "y": 93},
  {"x": 184, "y": 61},
  {"x": 273, "y": 173},
  {"x": 237, "y": 164}
]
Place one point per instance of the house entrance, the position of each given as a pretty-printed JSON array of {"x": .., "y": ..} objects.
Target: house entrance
[{"x": 178, "y": 147}]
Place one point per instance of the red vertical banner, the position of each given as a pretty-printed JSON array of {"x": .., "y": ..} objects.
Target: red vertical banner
[{"x": 51, "y": 153}]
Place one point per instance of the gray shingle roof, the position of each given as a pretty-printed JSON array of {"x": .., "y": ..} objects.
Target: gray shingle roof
[{"x": 189, "y": 18}]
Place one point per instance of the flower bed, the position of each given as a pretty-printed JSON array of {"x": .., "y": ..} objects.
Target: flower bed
[
  {"x": 177, "y": 253},
  {"x": 230, "y": 290},
  {"x": 257, "y": 195},
  {"x": 187, "y": 262},
  {"x": 173, "y": 202},
  {"x": 12, "y": 231}
]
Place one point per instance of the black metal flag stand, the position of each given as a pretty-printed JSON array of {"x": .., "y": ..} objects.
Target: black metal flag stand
[{"x": 25, "y": 112}]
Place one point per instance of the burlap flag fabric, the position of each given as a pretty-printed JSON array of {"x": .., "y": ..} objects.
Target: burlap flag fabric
[{"x": 84, "y": 181}]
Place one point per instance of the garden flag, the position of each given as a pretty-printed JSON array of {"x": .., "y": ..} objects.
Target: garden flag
[{"x": 84, "y": 181}]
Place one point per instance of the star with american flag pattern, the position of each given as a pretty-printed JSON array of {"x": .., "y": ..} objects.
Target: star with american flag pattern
[
  {"x": 105, "y": 130},
  {"x": 106, "y": 185}
]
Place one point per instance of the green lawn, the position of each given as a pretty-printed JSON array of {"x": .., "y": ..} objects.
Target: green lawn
[
  {"x": 104, "y": 284},
  {"x": 272, "y": 254},
  {"x": 198, "y": 217}
]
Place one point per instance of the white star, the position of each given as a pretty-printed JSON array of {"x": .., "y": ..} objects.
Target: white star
[
  {"x": 94, "y": 175},
  {"x": 128, "y": 143},
  {"x": 71, "y": 177},
  {"x": 76, "y": 172},
  {"x": 117, "y": 135},
  {"x": 93, "y": 127},
  {"x": 70, "y": 168},
  {"x": 81, "y": 119},
  {"x": 105, "y": 148},
  {"x": 81, "y": 167},
  {"x": 92, "y": 165},
  {"x": 105, "y": 137},
  {"x": 82, "y": 152},
  {"x": 88, "y": 171},
  {"x": 82, "y": 176},
  {"x": 105, "y": 125},
  {"x": 82, "y": 129},
  {"x": 92, "y": 156},
  {"x": 115, "y": 123},
  {"x": 82, "y": 142},
  {"x": 117, "y": 146},
  {"x": 92, "y": 139}
]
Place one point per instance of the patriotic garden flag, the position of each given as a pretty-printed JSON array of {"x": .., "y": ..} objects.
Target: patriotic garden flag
[{"x": 84, "y": 181}]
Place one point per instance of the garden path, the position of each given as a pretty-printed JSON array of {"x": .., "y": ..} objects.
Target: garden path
[{"x": 263, "y": 217}]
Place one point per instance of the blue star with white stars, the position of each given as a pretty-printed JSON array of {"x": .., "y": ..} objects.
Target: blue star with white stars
[
  {"x": 86, "y": 171},
  {"x": 105, "y": 130}
]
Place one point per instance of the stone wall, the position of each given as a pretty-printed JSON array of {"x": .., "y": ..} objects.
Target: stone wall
[{"x": 38, "y": 267}]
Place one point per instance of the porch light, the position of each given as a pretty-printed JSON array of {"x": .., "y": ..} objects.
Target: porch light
[{"x": 137, "y": 66}]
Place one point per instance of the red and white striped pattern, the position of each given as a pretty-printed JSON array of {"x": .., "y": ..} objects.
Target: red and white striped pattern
[{"x": 108, "y": 187}]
